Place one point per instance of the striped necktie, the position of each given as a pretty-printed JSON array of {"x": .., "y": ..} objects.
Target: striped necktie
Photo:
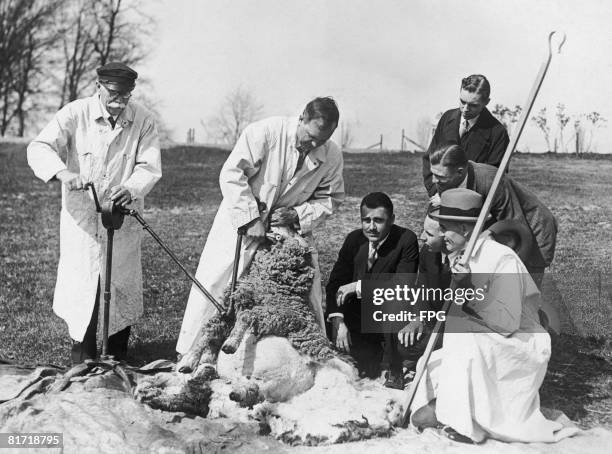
[
  {"x": 465, "y": 126},
  {"x": 372, "y": 255}
]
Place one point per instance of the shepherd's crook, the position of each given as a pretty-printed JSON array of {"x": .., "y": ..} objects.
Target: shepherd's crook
[{"x": 483, "y": 214}]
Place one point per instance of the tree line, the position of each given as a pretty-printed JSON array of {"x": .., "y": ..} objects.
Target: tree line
[{"x": 49, "y": 51}]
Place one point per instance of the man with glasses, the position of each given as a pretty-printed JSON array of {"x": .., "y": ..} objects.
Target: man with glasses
[
  {"x": 112, "y": 142},
  {"x": 283, "y": 171}
]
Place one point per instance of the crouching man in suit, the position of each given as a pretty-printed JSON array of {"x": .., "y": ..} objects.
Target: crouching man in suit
[{"x": 379, "y": 246}]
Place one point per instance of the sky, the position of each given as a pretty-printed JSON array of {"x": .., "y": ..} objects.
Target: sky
[{"x": 388, "y": 63}]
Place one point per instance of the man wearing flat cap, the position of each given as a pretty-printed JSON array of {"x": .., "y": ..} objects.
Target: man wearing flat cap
[
  {"x": 484, "y": 381},
  {"x": 111, "y": 141}
]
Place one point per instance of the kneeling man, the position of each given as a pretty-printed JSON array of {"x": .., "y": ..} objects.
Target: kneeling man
[
  {"x": 379, "y": 246},
  {"x": 484, "y": 381}
]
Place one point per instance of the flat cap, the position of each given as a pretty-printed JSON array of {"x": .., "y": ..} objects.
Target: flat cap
[{"x": 117, "y": 76}]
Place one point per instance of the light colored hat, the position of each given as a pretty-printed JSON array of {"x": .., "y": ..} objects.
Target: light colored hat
[{"x": 459, "y": 204}]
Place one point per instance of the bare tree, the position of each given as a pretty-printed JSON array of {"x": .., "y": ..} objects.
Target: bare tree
[
  {"x": 562, "y": 120},
  {"x": 507, "y": 116},
  {"x": 25, "y": 38},
  {"x": 424, "y": 131},
  {"x": 346, "y": 134},
  {"x": 96, "y": 32},
  {"x": 541, "y": 121},
  {"x": 584, "y": 137},
  {"x": 239, "y": 109}
]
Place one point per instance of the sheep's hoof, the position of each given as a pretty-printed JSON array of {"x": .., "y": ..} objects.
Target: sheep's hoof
[
  {"x": 229, "y": 348},
  {"x": 206, "y": 371},
  {"x": 187, "y": 364}
]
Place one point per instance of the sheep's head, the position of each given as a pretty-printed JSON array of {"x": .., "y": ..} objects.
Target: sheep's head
[{"x": 285, "y": 233}]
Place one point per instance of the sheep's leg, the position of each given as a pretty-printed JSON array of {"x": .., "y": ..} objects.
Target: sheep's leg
[
  {"x": 206, "y": 349},
  {"x": 233, "y": 341}
]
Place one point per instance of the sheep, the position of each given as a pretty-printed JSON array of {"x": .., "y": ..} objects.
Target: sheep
[{"x": 271, "y": 300}]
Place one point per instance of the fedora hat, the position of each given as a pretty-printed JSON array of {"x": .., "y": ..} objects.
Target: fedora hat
[
  {"x": 459, "y": 204},
  {"x": 514, "y": 234}
]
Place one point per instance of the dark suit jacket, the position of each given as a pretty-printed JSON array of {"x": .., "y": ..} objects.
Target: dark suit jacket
[
  {"x": 514, "y": 201},
  {"x": 398, "y": 254},
  {"x": 485, "y": 142},
  {"x": 433, "y": 274}
]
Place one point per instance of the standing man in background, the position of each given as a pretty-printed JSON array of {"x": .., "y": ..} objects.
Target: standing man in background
[
  {"x": 112, "y": 142},
  {"x": 291, "y": 166},
  {"x": 472, "y": 126}
]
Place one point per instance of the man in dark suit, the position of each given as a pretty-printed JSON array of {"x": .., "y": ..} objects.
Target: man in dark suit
[
  {"x": 452, "y": 169},
  {"x": 472, "y": 126},
  {"x": 434, "y": 273},
  {"x": 379, "y": 246}
]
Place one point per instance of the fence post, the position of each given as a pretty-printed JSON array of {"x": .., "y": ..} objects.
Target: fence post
[
  {"x": 381, "y": 142},
  {"x": 402, "y": 142}
]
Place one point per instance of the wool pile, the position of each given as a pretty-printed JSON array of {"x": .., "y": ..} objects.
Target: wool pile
[{"x": 270, "y": 300}]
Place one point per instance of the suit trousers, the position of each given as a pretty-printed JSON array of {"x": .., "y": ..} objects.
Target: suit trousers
[{"x": 87, "y": 349}]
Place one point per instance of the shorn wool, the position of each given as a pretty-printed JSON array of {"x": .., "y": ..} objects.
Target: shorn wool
[{"x": 270, "y": 300}]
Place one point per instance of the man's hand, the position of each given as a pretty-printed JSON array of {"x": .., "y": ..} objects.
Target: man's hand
[
  {"x": 344, "y": 292},
  {"x": 283, "y": 216},
  {"x": 434, "y": 200},
  {"x": 341, "y": 335},
  {"x": 411, "y": 333},
  {"x": 462, "y": 275},
  {"x": 71, "y": 180},
  {"x": 256, "y": 230},
  {"x": 120, "y": 195}
]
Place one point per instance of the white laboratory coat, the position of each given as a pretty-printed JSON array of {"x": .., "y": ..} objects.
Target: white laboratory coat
[
  {"x": 79, "y": 138},
  {"x": 262, "y": 166},
  {"x": 486, "y": 377}
]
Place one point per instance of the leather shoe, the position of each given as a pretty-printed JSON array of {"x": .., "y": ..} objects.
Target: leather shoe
[
  {"x": 394, "y": 381},
  {"x": 456, "y": 436}
]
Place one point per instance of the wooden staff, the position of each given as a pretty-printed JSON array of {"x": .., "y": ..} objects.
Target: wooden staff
[{"x": 483, "y": 215}]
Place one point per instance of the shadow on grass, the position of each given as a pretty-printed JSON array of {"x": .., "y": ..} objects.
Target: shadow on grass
[
  {"x": 141, "y": 353},
  {"x": 579, "y": 380}
]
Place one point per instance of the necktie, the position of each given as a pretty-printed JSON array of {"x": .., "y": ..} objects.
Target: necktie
[
  {"x": 372, "y": 255},
  {"x": 112, "y": 122},
  {"x": 300, "y": 162},
  {"x": 464, "y": 127},
  {"x": 446, "y": 265}
]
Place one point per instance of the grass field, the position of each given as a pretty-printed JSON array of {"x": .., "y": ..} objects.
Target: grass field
[{"x": 181, "y": 209}]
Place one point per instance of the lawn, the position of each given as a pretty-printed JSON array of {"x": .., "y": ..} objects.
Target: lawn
[{"x": 181, "y": 209}]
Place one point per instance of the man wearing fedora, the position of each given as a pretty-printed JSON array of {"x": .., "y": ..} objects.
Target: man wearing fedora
[
  {"x": 484, "y": 381},
  {"x": 434, "y": 273},
  {"x": 452, "y": 169},
  {"x": 111, "y": 141},
  {"x": 472, "y": 126}
]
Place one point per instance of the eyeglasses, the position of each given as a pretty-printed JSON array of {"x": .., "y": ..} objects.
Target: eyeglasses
[{"x": 114, "y": 94}]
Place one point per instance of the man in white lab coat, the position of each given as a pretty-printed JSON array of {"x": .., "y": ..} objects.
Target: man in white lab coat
[
  {"x": 290, "y": 165},
  {"x": 112, "y": 142},
  {"x": 484, "y": 381}
]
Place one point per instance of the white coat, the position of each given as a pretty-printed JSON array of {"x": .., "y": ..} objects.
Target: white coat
[
  {"x": 262, "y": 166},
  {"x": 486, "y": 377},
  {"x": 80, "y": 139}
]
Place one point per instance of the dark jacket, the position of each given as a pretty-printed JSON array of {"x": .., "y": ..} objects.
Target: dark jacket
[
  {"x": 398, "y": 254},
  {"x": 433, "y": 274},
  {"x": 485, "y": 142},
  {"x": 514, "y": 201}
]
